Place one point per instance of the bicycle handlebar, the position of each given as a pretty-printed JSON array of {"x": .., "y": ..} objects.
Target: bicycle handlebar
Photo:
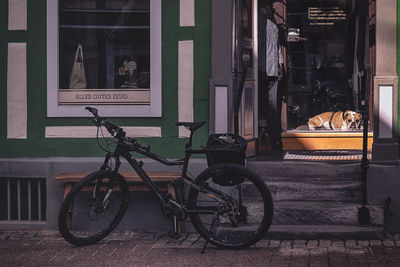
[
  {"x": 116, "y": 131},
  {"x": 94, "y": 111}
]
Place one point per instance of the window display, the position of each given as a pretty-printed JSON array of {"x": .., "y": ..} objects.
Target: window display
[{"x": 104, "y": 52}]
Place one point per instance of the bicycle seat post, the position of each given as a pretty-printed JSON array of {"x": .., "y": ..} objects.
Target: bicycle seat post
[
  {"x": 189, "y": 143},
  {"x": 192, "y": 127}
]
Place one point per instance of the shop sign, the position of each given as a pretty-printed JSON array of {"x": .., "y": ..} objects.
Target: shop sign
[
  {"x": 114, "y": 96},
  {"x": 325, "y": 15}
]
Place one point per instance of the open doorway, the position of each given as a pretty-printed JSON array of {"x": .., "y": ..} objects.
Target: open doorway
[{"x": 328, "y": 58}]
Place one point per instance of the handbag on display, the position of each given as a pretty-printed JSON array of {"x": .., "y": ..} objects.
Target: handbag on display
[{"x": 78, "y": 77}]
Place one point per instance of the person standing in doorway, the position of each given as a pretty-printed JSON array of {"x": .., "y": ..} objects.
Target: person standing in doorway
[{"x": 270, "y": 64}]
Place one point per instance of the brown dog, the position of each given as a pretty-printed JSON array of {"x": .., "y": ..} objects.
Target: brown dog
[{"x": 339, "y": 121}]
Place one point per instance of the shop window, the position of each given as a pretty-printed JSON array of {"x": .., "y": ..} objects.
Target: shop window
[{"x": 104, "y": 53}]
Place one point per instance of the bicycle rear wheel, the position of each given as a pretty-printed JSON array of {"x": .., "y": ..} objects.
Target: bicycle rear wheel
[
  {"x": 93, "y": 208},
  {"x": 231, "y": 216}
]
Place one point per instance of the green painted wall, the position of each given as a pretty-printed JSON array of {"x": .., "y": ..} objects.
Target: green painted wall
[{"x": 169, "y": 145}]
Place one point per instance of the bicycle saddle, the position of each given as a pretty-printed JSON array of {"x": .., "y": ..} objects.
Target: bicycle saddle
[{"x": 192, "y": 126}]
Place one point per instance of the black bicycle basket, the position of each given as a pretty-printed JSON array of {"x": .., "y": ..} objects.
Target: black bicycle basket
[{"x": 226, "y": 148}]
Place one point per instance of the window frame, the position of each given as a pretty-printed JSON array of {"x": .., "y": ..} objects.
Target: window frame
[{"x": 152, "y": 110}]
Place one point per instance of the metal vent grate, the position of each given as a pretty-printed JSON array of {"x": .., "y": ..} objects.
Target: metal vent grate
[{"x": 23, "y": 199}]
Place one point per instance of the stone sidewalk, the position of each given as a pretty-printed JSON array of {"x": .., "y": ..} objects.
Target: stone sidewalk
[{"x": 145, "y": 248}]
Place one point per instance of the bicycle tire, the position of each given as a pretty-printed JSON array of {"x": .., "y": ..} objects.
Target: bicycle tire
[
  {"x": 240, "y": 226},
  {"x": 73, "y": 225}
]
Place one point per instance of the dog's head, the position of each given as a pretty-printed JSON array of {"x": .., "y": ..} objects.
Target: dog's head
[{"x": 352, "y": 119}]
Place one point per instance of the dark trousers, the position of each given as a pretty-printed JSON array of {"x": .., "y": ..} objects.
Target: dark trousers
[{"x": 271, "y": 106}]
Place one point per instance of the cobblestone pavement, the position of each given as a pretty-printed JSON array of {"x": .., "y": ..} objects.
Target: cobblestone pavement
[{"x": 144, "y": 248}]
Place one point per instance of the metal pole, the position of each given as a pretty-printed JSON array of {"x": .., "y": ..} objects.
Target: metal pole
[
  {"x": 363, "y": 212},
  {"x": 239, "y": 100}
]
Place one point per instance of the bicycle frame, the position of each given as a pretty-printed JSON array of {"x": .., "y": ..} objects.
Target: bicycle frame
[{"x": 125, "y": 151}]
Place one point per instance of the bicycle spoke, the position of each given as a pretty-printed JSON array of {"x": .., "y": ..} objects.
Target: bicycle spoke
[
  {"x": 240, "y": 210},
  {"x": 92, "y": 218}
]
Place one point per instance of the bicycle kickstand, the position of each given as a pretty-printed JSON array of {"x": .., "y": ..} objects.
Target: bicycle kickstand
[
  {"x": 203, "y": 250},
  {"x": 175, "y": 233}
]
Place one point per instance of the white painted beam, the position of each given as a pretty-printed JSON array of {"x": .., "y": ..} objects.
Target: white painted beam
[
  {"x": 221, "y": 109},
  {"x": 385, "y": 111},
  {"x": 185, "y": 85},
  {"x": 91, "y": 131},
  {"x": 16, "y": 91},
  {"x": 17, "y": 15},
  {"x": 186, "y": 13}
]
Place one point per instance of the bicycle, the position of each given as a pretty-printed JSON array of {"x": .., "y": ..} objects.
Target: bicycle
[{"x": 228, "y": 204}]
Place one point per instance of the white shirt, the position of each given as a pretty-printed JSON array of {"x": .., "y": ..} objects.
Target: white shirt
[{"x": 270, "y": 52}]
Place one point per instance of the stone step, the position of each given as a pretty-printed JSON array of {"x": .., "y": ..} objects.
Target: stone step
[
  {"x": 316, "y": 200},
  {"x": 317, "y": 213},
  {"x": 332, "y": 232},
  {"x": 305, "y": 171},
  {"x": 322, "y": 213},
  {"x": 344, "y": 191}
]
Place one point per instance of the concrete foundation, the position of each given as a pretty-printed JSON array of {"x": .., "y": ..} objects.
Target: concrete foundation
[
  {"x": 143, "y": 210},
  {"x": 383, "y": 183}
]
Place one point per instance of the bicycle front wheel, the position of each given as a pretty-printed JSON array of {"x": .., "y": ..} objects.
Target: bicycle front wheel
[
  {"x": 93, "y": 208},
  {"x": 233, "y": 214}
]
